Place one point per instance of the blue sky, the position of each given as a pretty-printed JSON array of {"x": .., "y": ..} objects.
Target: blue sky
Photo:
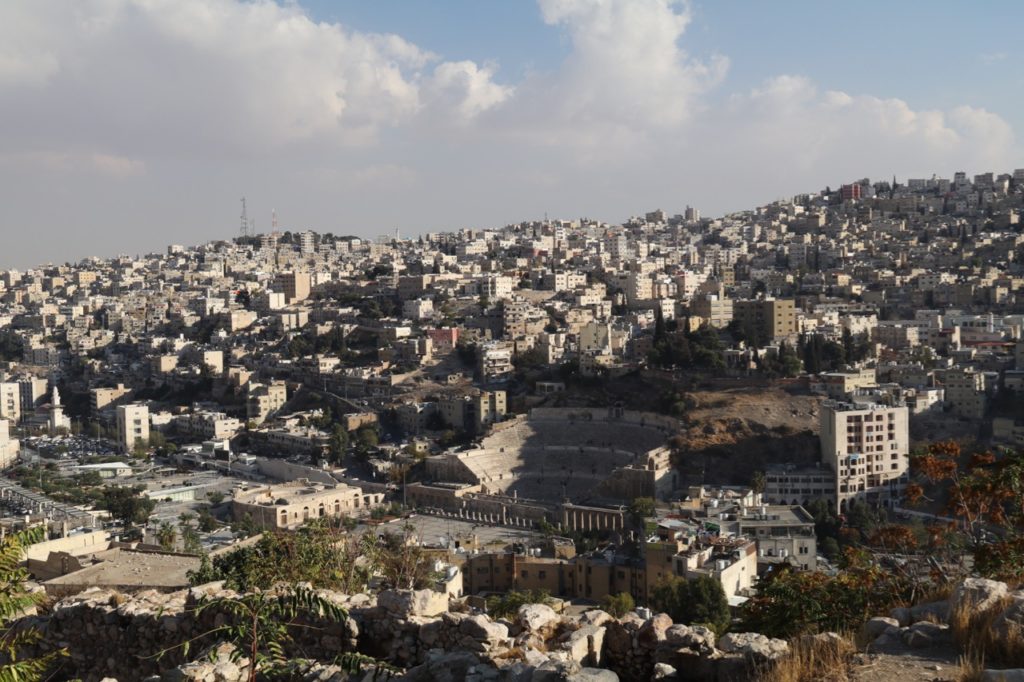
[
  {"x": 129, "y": 124},
  {"x": 934, "y": 54}
]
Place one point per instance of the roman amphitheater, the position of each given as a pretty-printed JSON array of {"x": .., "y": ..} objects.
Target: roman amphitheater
[{"x": 550, "y": 464}]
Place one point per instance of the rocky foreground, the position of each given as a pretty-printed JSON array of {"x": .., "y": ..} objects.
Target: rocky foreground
[{"x": 109, "y": 635}]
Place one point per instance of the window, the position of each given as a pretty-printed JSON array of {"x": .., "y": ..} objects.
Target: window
[
  {"x": 524, "y": 574},
  {"x": 542, "y": 574}
]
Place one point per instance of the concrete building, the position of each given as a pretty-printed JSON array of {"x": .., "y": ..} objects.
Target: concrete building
[
  {"x": 132, "y": 425},
  {"x": 290, "y": 505},
  {"x": 475, "y": 412},
  {"x": 773, "y": 319},
  {"x": 867, "y": 446},
  {"x": 102, "y": 398},
  {"x": 263, "y": 400},
  {"x": 494, "y": 361},
  {"x": 965, "y": 392},
  {"x": 10, "y": 401},
  {"x": 295, "y": 285},
  {"x": 8, "y": 446},
  {"x": 715, "y": 310}
]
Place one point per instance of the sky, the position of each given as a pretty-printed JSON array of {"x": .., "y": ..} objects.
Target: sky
[{"x": 128, "y": 125}]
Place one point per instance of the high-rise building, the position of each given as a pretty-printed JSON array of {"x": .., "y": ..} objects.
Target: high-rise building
[
  {"x": 132, "y": 425},
  {"x": 867, "y": 446}
]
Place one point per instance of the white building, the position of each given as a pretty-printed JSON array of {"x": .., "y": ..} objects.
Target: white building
[
  {"x": 132, "y": 425},
  {"x": 867, "y": 446}
]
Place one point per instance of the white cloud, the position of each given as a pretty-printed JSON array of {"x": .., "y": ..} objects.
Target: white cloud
[
  {"x": 223, "y": 76},
  {"x": 198, "y": 100}
]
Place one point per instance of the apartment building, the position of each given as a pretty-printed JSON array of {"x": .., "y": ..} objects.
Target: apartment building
[
  {"x": 772, "y": 319},
  {"x": 10, "y": 401},
  {"x": 132, "y": 425},
  {"x": 474, "y": 412},
  {"x": 867, "y": 446},
  {"x": 965, "y": 392}
]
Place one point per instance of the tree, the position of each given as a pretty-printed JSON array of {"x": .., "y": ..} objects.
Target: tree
[
  {"x": 339, "y": 444},
  {"x": 619, "y": 604},
  {"x": 757, "y": 482},
  {"x": 127, "y": 505},
  {"x": 166, "y": 536},
  {"x": 402, "y": 563},
  {"x": 207, "y": 522},
  {"x": 15, "y": 601},
  {"x": 317, "y": 553},
  {"x": 190, "y": 540},
  {"x": 986, "y": 496},
  {"x": 797, "y": 602},
  {"x": 640, "y": 509},
  {"x": 260, "y": 625},
  {"x": 698, "y": 601}
]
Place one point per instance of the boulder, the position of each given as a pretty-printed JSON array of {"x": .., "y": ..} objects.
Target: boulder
[
  {"x": 482, "y": 629},
  {"x": 593, "y": 675},
  {"x": 876, "y": 627},
  {"x": 405, "y": 603},
  {"x": 934, "y": 611},
  {"x": 696, "y": 637},
  {"x": 1012, "y": 616},
  {"x": 925, "y": 634},
  {"x": 977, "y": 594},
  {"x": 1010, "y": 675},
  {"x": 441, "y": 666},
  {"x": 595, "y": 617},
  {"x": 663, "y": 671},
  {"x": 584, "y": 645},
  {"x": 901, "y": 615},
  {"x": 753, "y": 645},
  {"x": 653, "y": 631},
  {"x": 535, "y": 617}
]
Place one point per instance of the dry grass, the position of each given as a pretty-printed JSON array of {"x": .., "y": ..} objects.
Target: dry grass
[
  {"x": 812, "y": 659},
  {"x": 982, "y": 644}
]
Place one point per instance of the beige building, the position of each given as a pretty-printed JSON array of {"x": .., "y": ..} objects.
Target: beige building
[
  {"x": 10, "y": 401},
  {"x": 102, "y": 398},
  {"x": 290, "y": 505},
  {"x": 715, "y": 310},
  {"x": 8, "y": 446},
  {"x": 773, "y": 319},
  {"x": 965, "y": 392},
  {"x": 132, "y": 425},
  {"x": 474, "y": 412},
  {"x": 867, "y": 446},
  {"x": 295, "y": 285},
  {"x": 264, "y": 400}
]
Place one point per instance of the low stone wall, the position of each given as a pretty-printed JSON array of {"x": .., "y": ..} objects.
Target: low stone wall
[{"x": 110, "y": 635}]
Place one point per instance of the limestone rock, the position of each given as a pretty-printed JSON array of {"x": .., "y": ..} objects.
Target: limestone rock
[
  {"x": 936, "y": 610},
  {"x": 875, "y": 627},
  {"x": 753, "y": 645},
  {"x": 1010, "y": 675},
  {"x": 413, "y": 602},
  {"x": 696, "y": 637},
  {"x": 977, "y": 594},
  {"x": 595, "y": 617},
  {"x": 482, "y": 629},
  {"x": 663, "y": 671},
  {"x": 536, "y": 617}
]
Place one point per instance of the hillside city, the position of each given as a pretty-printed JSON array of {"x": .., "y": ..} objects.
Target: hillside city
[{"x": 575, "y": 410}]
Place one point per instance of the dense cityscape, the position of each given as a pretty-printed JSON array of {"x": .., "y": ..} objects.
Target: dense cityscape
[{"x": 820, "y": 392}]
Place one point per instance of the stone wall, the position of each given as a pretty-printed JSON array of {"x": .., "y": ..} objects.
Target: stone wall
[{"x": 111, "y": 635}]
